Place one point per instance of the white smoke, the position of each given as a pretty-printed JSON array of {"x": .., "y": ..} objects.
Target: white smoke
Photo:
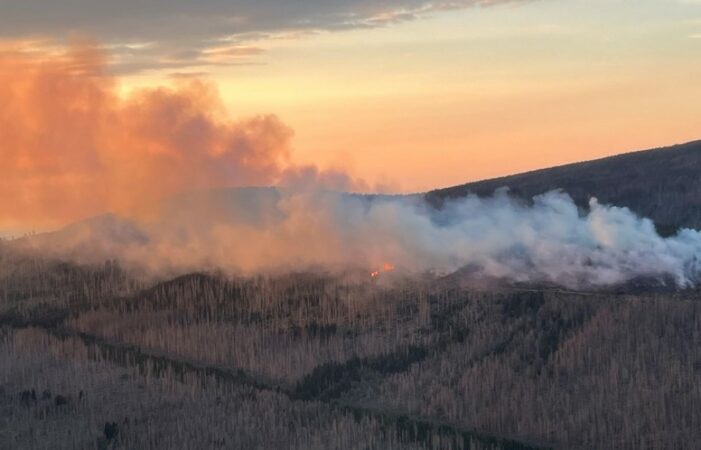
[{"x": 250, "y": 230}]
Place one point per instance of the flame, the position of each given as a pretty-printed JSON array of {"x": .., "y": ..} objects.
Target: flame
[{"x": 386, "y": 267}]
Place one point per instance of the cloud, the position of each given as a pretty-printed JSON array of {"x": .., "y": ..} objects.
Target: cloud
[
  {"x": 72, "y": 147},
  {"x": 192, "y": 28}
]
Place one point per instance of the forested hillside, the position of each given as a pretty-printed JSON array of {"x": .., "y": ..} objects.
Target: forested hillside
[
  {"x": 662, "y": 184},
  {"x": 94, "y": 357}
]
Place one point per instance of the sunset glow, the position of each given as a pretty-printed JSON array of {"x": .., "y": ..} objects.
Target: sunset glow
[{"x": 388, "y": 98}]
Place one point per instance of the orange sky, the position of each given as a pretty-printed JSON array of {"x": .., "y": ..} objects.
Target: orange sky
[
  {"x": 441, "y": 98},
  {"x": 74, "y": 146},
  {"x": 478, "y": 93}
]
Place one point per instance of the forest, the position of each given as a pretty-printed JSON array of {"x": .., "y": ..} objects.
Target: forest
[{"x": 99, "y": 356}]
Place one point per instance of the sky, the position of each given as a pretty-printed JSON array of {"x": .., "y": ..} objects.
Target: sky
[{"x": 370, "y": 95}]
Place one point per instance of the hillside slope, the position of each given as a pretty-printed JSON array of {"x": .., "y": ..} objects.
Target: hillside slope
[{"x": 662, "y": 184}]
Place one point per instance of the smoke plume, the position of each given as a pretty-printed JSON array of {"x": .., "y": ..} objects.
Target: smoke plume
[
  {"x": 262, "y": 230},
  {"x": 164, "y": 160},
  {"x": 72, "y": 147}
]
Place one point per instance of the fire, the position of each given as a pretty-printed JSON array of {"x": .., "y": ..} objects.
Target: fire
[{"x": 386, "y": 267}]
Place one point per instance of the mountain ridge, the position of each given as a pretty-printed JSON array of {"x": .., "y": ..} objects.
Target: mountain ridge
[{"x": 661, "y": 184}]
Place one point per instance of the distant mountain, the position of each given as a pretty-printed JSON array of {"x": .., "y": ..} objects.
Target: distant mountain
[
  {"x": 183, "y": 216},
  {"x": 187, "y": 212},
  {"x": 662, "y": 184},
  {"x": 99, "y": 236}
]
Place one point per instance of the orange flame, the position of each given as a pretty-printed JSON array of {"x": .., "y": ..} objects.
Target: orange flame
[{"x": 386, "y": 267}]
